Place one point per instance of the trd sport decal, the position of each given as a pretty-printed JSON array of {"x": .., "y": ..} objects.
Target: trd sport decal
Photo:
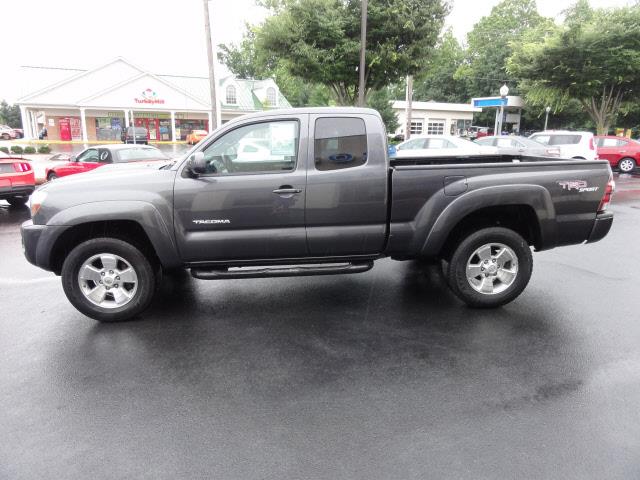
[{"x": 578, "y": 185}]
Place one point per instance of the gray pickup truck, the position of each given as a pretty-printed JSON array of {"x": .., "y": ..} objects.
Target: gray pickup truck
[{"x": 310, "y": 192}]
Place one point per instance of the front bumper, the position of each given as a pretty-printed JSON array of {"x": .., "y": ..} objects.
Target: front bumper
[
  {"x": 601, "y": 227},
  {"x": 38, "y": 242}
]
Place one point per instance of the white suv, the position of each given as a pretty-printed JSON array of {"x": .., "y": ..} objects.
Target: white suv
[{"x": 571, "y": 144}]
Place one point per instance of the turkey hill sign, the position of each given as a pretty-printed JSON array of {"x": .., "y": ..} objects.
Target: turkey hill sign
[{"x": 149, "y": 96}]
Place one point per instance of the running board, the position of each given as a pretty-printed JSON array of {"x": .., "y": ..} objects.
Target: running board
[{"x": 280, "y": 271}]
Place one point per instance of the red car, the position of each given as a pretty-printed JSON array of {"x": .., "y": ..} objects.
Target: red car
[
  {"x": 95, "y": 157},
  {"x": 622, "y": 153},
  {"x": 17, "y": 181}
]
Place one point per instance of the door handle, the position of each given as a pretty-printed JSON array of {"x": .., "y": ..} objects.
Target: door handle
[{"x": 287, "y": 190}]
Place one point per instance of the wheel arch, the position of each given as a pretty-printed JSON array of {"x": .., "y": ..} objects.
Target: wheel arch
[{"x": 526, "y": 209}]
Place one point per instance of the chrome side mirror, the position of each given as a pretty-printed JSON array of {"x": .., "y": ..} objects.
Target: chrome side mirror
[{"x": 197, "y": 163}]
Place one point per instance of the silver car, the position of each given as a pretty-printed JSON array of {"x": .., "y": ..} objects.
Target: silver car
[{"x": 514, "y": 145}]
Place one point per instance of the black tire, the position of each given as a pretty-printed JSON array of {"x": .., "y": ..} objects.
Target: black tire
[
  {"x": 148, "y": 279},
  {"x": 457, "y": 271},
  {"x": 51, "y": 177},
  {"x": 17, "y": 201},
  {"x": 629, "y": 165}
]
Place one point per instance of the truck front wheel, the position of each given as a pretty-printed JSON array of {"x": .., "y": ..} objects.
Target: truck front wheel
[
  {"x": 490, "y": 267},
  {"x": 108, "y": 279}
]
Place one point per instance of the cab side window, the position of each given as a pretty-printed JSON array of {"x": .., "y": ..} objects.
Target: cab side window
[
  {"x": 267, "y": 147},
  {"x": 339, "y": 143}
]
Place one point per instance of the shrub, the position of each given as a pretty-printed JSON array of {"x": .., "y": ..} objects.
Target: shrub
[
  {"x": 29, "y": 150},
  {"x": 4, "y": 149},
  {"x": 44, "y": 149},
  {"x": 17, "y": 149}
]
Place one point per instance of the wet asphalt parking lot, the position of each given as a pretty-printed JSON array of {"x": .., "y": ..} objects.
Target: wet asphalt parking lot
[{"x": 382, "y": 375}]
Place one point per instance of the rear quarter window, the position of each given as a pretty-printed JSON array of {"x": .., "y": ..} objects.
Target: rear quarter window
[
  {"x": 340, "y": 142},
  {"x": 564, "y": 139}
]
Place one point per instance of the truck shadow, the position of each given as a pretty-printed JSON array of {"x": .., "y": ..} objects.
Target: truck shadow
[{"x": 398, "y": 321}]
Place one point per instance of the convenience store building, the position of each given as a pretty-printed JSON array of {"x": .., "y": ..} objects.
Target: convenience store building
[{"x": 96, "y": 104}]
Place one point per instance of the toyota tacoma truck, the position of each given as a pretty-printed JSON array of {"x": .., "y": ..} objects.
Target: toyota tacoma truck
[{"x": 310, "y": 191}]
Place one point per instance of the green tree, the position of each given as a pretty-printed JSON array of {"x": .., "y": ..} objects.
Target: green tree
[
  {"x": 382, "y": 100},
  {"x": 246, "y": 61},
  {"x": 490, "y": 43},
  {"x": 594, "y": 59},
  {"x": 438, "y": 80},
  {"x": 10, "y": 115},
  {"x": 318, "y": 41}
]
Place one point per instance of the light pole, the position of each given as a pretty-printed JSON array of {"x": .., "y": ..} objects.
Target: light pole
[
  {"x": 504, "y": 91},
  {"x": 546, "y": 118},
  {"x": 363, "y": 47},
  {"x": 212, "y": 76}
]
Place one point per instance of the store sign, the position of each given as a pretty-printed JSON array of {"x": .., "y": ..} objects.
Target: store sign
[{"x": 150, "y": 97}]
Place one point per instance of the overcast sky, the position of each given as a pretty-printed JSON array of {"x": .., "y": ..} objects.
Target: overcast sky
[{"x": 159, "y": 36}]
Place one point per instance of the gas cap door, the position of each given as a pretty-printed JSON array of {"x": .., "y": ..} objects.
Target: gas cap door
[{"x": 455, "y": 185}]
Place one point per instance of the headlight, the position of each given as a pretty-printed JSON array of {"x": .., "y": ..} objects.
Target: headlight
[{"x": 37, "y": 199}]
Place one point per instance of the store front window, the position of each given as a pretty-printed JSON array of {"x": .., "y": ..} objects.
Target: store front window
[
  {"x": 185, "y": 126},
  {"x": 108, "y": 128}
]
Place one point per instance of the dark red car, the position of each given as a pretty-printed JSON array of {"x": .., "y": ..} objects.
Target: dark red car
[
  {"x": 101, "y": 155},
  {"x": 17, "y": 181},
  {"x": 622, "y": 153}
]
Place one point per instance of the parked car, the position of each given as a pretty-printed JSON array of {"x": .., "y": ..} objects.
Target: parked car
[
  {"x": 7, "y": 133},
  {"x": 514, "y": 145},
  {"x": 141, "y": 135},
  {"x": 474, "y": 132},
  {"x": 19, "y": 132},
  {"x": 195, "y": 136},
  {"x": 439, "y": 146},
  {"x": 578, "y": 145},
  {"x": 40, "y": 166},
  {"x": 101, "y": 155},
  {"x": 622, "y": 153},
  {"x": 16, "y": 180},
  {"x": 332, "y": 205}
]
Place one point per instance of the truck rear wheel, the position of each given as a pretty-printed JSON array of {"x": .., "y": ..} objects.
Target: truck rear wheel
[
  {"x": 490, "y": 268},
  {"x": 109, "y": 279}
]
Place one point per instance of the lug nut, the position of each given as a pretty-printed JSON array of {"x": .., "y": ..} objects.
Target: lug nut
[
  {"x": 494, "y": 260},
  {"x": 102, "y": 273},
  {"x": 100, "y": 282},
  {"x": 116, "y": 285},
  {"x": 107, "y": 288},
  {"x": 111, "y": 272},
  {"x": 117, "y": 278}
]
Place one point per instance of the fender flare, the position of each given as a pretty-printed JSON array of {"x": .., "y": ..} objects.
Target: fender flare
[
  {"x": 534, "y": 196},
  {"x": 143, "y": 213}
]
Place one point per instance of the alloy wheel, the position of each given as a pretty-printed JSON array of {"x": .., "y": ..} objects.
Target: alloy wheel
[
  {"x": 492, "y": 268},
  {"x": 108, "y": 280}
]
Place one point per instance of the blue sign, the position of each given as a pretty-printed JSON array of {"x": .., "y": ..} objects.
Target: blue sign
[{"x": 490, "y": 102}]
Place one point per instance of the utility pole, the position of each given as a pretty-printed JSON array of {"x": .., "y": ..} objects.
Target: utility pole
[
  {"x": 212, "y": 77},
  {"x": 363, "y": 48},
  {"x": 408, "y": 107}
]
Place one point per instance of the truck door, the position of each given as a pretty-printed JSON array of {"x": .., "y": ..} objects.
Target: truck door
[
  {"x": 250, "y": 202},
  {"x": 346, "y": 202}
]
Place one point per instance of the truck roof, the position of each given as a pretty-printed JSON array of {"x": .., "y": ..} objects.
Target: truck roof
[{"x": 309, "y": 110}]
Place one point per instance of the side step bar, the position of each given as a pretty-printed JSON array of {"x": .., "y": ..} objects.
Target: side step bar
[{"x": 280, "y": 271}]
